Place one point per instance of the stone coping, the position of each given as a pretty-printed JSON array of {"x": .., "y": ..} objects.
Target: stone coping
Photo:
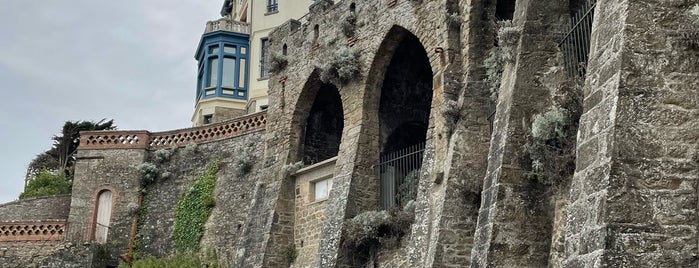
[
  {"x": 326, "y": 162},
  {"x": 33, "y": 198},
  {"x": 142, "y": 139}
]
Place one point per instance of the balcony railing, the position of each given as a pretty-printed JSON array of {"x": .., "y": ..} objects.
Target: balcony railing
[{"x": 226, "y": 24}]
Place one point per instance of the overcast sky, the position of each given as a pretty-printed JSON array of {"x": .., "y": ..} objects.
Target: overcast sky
[{"x": 128, "y": 60}]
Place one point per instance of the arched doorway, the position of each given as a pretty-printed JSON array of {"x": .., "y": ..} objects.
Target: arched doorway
[{"x": 103, "y": 216}]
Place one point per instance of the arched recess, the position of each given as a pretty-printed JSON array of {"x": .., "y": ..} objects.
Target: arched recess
[
  {"x": 103, "y": 205},
  {"x": 317, "y": 122},
  {"x": 399, "y": 98}
]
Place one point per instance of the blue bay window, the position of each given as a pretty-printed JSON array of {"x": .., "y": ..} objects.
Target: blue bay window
[{"x": 223, "y": 66}]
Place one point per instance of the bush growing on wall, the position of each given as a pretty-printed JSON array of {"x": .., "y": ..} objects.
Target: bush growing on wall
[
  {"x": 343, "y": 66},
  {"x": 188, "y": 260},
  {"x": 162, "y": 156},
  {"x": 407, "y": 191},
  {"x": 194, "y": 209},
  {"x": 370, "y": 229},
  {"x": 149, "y": 173},
  {"x": 277, "y": 62},
  {"x": 507, "y": 37},
  {"x": 348, "y": 22}
]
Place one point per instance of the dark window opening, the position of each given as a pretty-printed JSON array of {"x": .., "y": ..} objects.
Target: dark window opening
[
  {"x": 316, "y": 32},
  {"x": 324, "y": 125},
  {"x": 272, "y": 6},
  {"x": 208, "y": 118},
  {"x": 284, "y": 50},
  {"x": 505, "y": 9}
]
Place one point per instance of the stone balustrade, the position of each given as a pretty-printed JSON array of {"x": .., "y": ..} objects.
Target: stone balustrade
[
  {"x": 141, "y": 139},
  {"x": 226, "y": 24},
  {"x": 32, "y": 231}
]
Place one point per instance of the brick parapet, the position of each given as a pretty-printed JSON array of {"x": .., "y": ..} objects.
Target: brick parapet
[{"x": 141, "y": 139}]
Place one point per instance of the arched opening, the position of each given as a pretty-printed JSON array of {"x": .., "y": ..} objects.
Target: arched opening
[
  {"x": 316, "y": 32},
  {"x": 404, "y": 111},
  {"x": 103, "y": 216},
  {"x": 284, "y": 48},
  {"x": 324, "y": 124}
]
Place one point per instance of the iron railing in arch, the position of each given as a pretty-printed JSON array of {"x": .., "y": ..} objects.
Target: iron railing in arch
[
  {"x": 575, "y": 45},
  {"x": 393, "y": 168}
]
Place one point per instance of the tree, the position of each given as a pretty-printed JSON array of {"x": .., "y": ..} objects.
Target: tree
[
  {"x": 61, "y": 157},
  {"x": 45, "y": 184}
]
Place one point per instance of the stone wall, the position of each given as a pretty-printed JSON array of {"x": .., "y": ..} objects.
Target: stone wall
[
  {"x": 115, "y": 170},
  {"x": 309, "y": 212},
  {"x": 233, "y": 194},
  {"x": 36, "y": 209},
  {"x": 26, "y": 254}
]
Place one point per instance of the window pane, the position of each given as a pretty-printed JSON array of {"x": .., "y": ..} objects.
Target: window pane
[
  {"x": 229, "y": 49},
  {"x": 213, "y": 50},
  {"x": 241, "y": 73},
  {"x": 213, "y": 72},
  {"x": 264, "y": 69},
  {"x": 243, "y": 50},
  {"x": 228, "y": 72},
  {"x": 322, "y": 189}
]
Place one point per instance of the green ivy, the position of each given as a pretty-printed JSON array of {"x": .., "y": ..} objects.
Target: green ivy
[
  {"x": 189, "y": 260},
  {"x": 194, "y": 209},
  {"x": 139, "y": 247}
]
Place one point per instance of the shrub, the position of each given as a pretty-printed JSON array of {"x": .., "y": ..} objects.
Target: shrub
[
  {"x": 149, "y": 173},
  {"x": 244, "y": 163},
  {"x": 190, "y": 149},
  {"x": 552, "y": 147},
  {"x": 550, "y": 124},
  {"x": 508, "y": 36},
  {"x": 194, "y": 209},
  {"x": 162, "y": 156},
  {"x": 348, "y": 22},
  {"x": 373, "y": 228},
  {"x": 293, "y": 167},
  {"x": 46, "y": 184},
  {"x": 451, "y": 113},
  {"x": 343, "y": 66},
  {"x": 277, "y": 62},
  {"x": 407, "y": 191}
]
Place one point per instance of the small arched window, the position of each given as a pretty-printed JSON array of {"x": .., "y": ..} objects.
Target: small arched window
[
  {"x": 103, "y": 216},
  {"x": 316, "y": 32},
  {"x": 284, "y": 50}
]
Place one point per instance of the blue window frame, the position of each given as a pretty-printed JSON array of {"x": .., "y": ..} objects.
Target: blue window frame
[{"x": 223, "y": 66}]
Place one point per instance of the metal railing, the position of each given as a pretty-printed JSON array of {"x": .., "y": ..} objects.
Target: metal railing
[
  {"x": 575, "y": 45},
  {"x": 392, "y": 169}
]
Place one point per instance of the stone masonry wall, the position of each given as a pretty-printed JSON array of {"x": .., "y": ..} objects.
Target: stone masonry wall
[
  {"x": 232, "y": 195},
  {"x": 36, "y": 209},
  {"x": 113, "y": 170},
  {"x": 634, "y": 198}
]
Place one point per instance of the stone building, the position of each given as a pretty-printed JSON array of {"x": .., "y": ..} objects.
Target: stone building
[{"x": 564, "y": 138}]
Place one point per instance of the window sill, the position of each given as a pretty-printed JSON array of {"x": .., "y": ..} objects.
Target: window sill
[
  {"x": 318, "y": 201},
  {"x": 271, "y": 12},
  {"x": 263, "y": 78}
]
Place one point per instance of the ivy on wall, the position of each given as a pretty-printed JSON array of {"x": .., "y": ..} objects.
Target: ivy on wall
[{"x": 194, "y": 209}]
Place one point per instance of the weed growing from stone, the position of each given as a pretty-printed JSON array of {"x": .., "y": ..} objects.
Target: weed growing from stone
[
  {"x": 343, "y": 66},
  {"x": 407, "y": 191},
  {"x": 190, "y": 260},
  {"x": 291, "y": 254},
  {"x": 194, "y": 209},
  {"x": 244, "y": 163},
  {"x": 694, "y": 14},
  {"x": 292, "y": 167},
  {"x": 507, "y": 37},
  {"x": 190, "y": 149}
]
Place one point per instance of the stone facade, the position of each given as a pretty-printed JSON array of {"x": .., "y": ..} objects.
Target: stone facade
[
  {"x": 36, "y": 209},
  {"x": 633, "y": 199}
]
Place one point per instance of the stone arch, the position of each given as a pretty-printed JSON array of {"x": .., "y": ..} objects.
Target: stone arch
[
  {"x": 317, "y": 102},
  {"x": 97, "y": 229},
  {"x": 399, "y": 90}
]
